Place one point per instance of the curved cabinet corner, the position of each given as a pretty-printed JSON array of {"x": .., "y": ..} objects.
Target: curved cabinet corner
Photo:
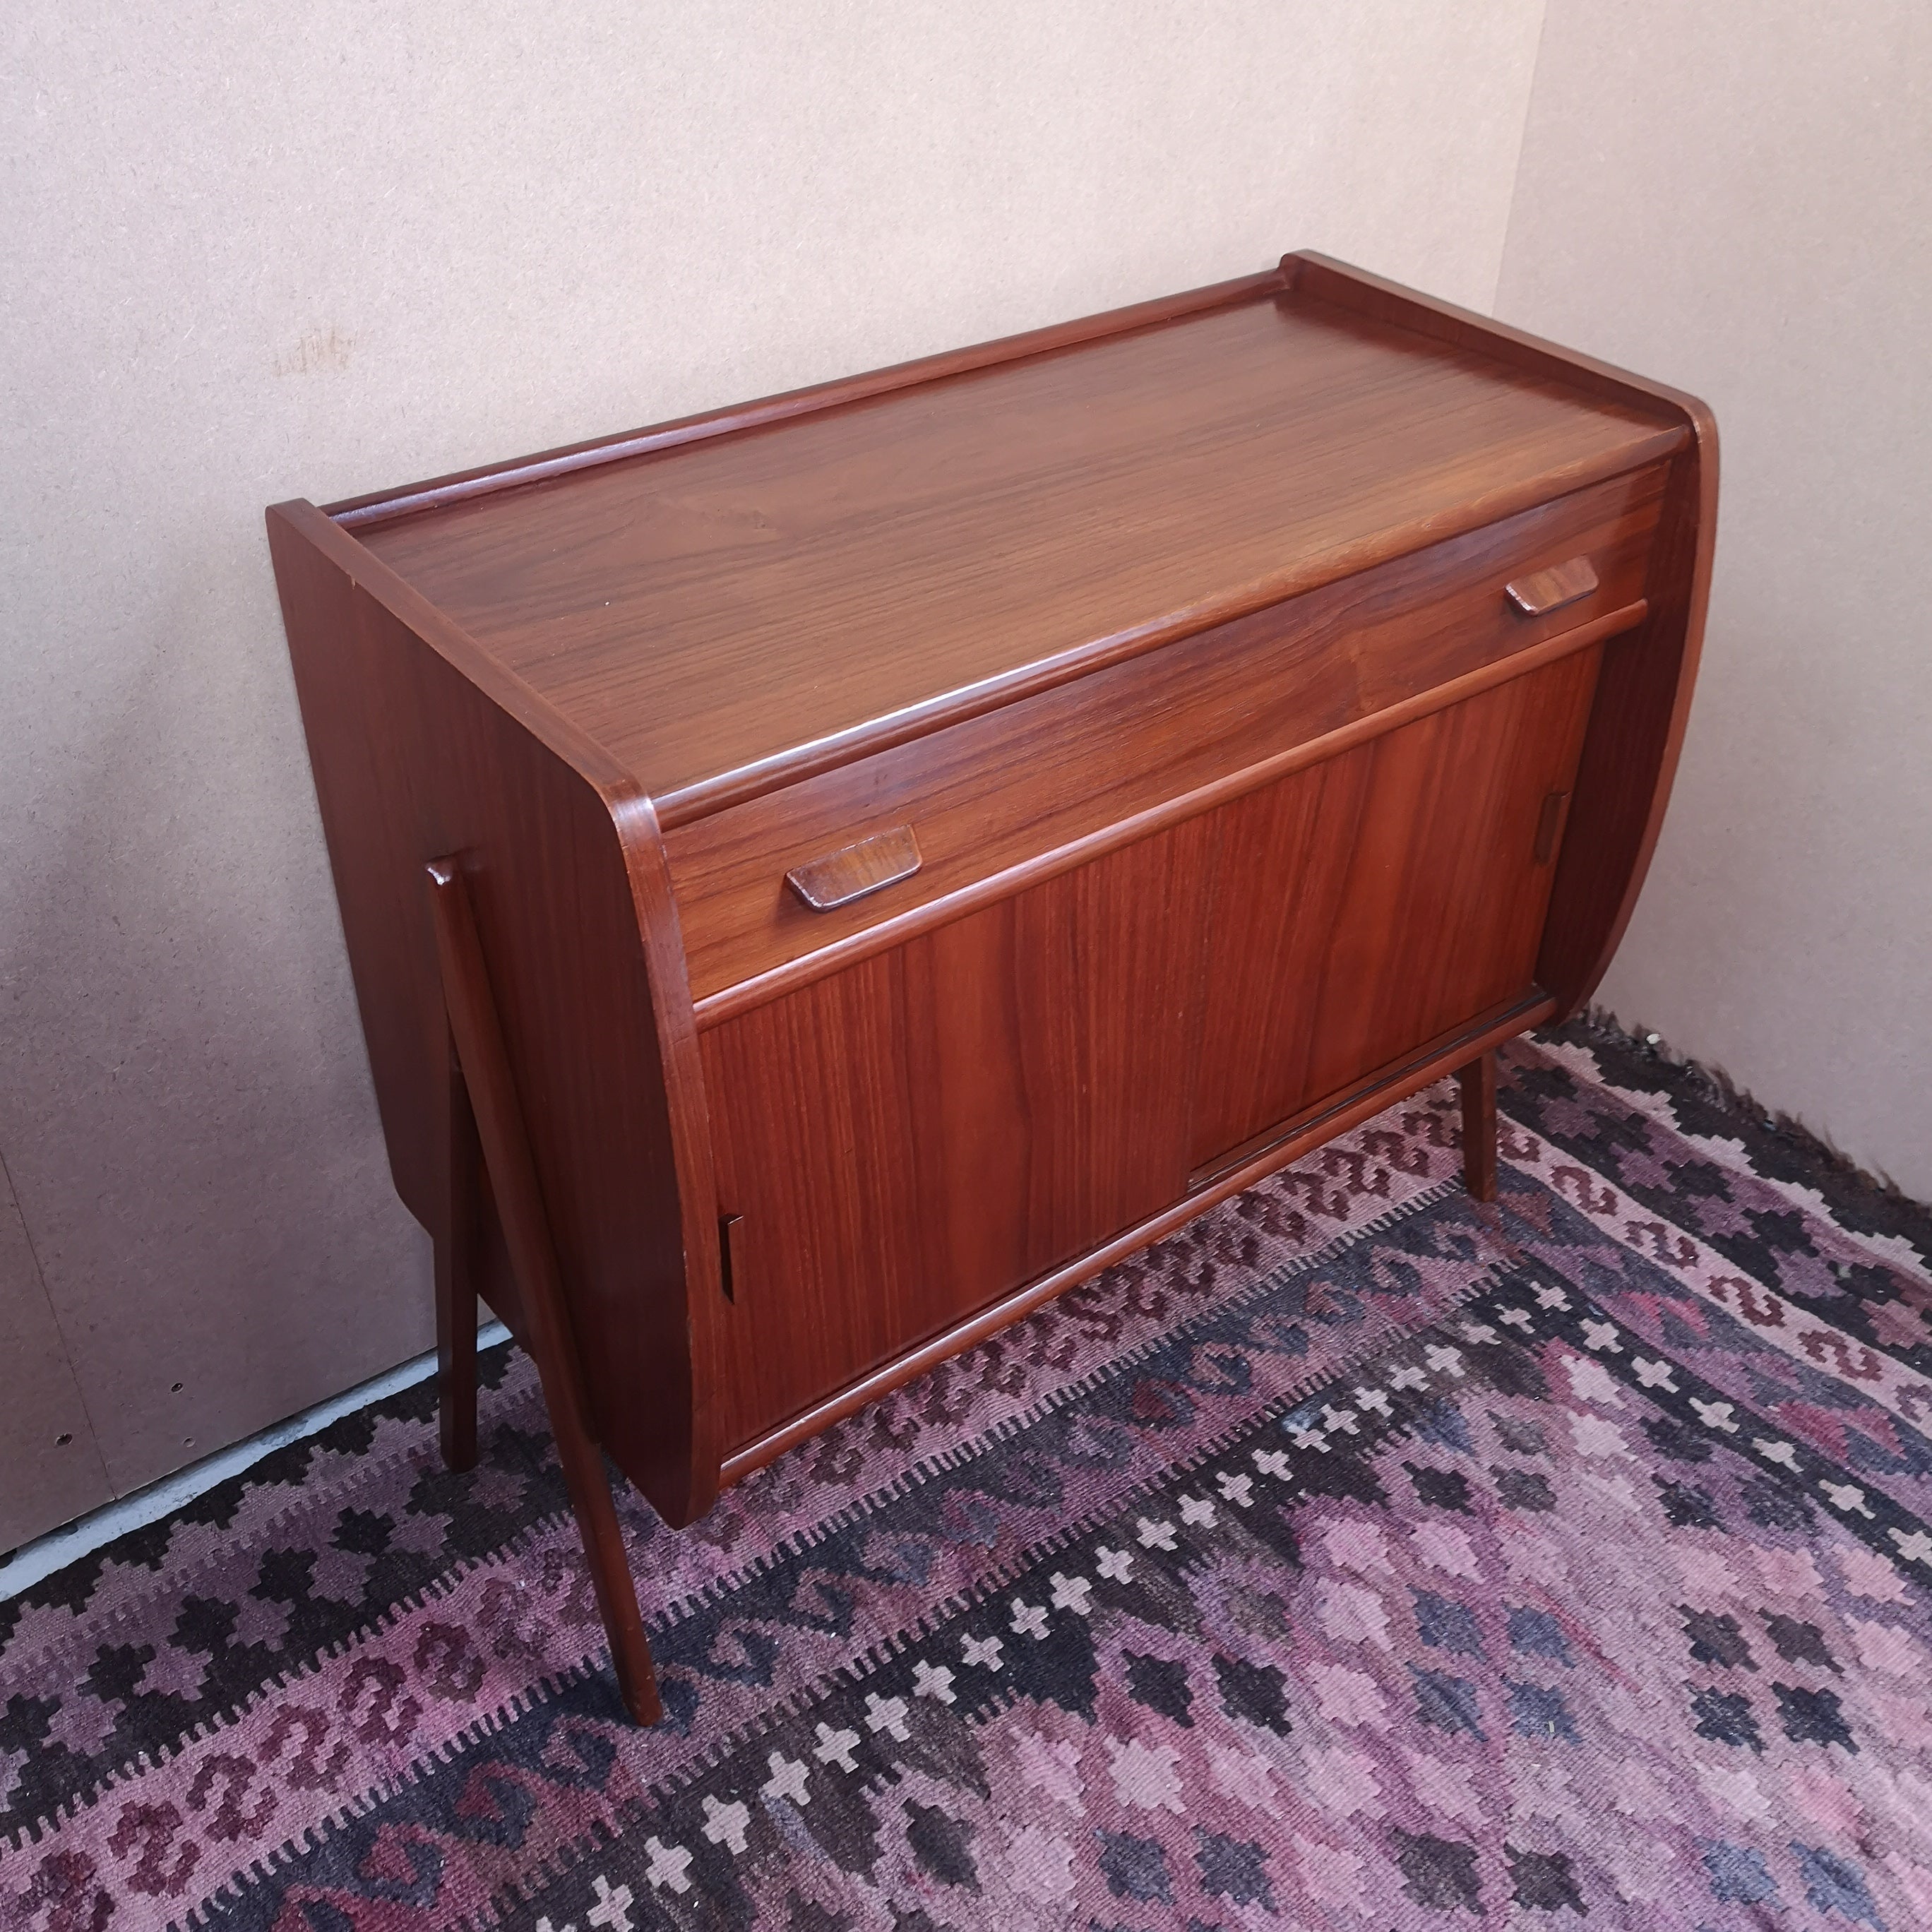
[{"x": 422, "y": 747}]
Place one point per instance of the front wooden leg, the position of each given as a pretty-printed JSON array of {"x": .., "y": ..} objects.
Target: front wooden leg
[
  {"x": 456, "y": 1275},
  {"x": 1478, "y": 1082},
  {"x": 506, "y": 1147},
  {"x": 591, "y": 1503}
]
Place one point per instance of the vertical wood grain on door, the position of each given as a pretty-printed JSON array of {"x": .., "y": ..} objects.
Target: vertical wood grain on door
[
  {"x": 1372, "y": 902},
  {"x": 908, "y": 1139}
]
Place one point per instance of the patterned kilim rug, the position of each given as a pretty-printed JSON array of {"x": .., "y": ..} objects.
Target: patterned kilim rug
[{"x": 1359, "y": 1558}]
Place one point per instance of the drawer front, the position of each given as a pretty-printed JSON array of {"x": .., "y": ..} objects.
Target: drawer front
[{"x": 994, "y": 793}]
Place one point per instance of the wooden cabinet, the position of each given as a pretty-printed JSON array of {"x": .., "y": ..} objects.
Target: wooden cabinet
[{"x": 821, "y": 876}]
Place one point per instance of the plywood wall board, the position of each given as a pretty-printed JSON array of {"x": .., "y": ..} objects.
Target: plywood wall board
[
  {"x": 1737, "y": 198},
  {"x": 50, "y": 1467}
]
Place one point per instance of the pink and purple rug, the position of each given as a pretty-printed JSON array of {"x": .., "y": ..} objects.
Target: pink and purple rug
[{"x": 1360, "y": 1557}]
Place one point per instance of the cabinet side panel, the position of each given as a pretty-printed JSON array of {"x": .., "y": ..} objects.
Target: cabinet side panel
[
  {"x": 359, "y": 747},
  {"x": 412, "y": 761},
  {"x": 1643, "y": 696},
  {"x": 1636, "y": 730}
]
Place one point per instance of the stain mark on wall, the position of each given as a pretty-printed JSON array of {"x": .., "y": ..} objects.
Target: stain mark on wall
[{"x": 318, "y": 352}]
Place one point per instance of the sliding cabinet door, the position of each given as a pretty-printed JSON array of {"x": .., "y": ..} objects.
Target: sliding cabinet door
[
  {"x": 1379, "y": 900},
  {"x": 905, "y": 1140}
]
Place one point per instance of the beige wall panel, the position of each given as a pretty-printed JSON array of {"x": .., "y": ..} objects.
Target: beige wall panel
[
  {"x": 1737, "y": 197},
  {"x": 259, "y": 251},
  {"x": 44, "y": 1480}
]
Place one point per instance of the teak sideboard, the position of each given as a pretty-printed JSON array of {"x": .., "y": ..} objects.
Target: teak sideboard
[{"x": 822, "y": 876}]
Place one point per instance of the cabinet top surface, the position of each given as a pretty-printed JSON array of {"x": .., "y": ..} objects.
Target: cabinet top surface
[{"x": 727, "y": 607}]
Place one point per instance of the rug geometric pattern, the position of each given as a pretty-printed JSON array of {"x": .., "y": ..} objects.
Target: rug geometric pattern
[{"x": 1359, "y": 1557}]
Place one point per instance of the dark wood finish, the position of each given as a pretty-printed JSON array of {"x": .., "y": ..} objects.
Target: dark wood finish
[
  {"x": 1549, "y": 825},
  {"x": 856, "y": 871},
  {"x": 1478, "y": 1081},
  {"x": 484, "y": 1072},
  {"x": 1636, "y": 733},
  {"x": 1313, "y": 1123},
  {"x": 1543, "y": 591},
  {"x": 421, "y": 746},
  {"x": 893, "y": 927},
  {"x": 380, "y": 506},
  {"x": 1630, "y": 757},
  {"x": 1384, "y": 1087},
  {"x": 1177, "y": 646},
  {"x": 727, "y": 616},
  {"x": 730, "y": 1234}
]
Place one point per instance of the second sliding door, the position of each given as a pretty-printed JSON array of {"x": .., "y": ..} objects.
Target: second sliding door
[{"x": 1373, "y": 903}]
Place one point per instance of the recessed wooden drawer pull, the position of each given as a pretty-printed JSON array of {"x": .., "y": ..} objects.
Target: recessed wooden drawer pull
[
  {"x": 1543, "y": 591},
  {"x": 841, "y": 877}
]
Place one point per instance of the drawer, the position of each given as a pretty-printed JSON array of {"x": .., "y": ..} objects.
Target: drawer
[{"x": 940, "y": 822}]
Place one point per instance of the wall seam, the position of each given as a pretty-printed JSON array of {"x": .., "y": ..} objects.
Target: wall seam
[
  {"x": 1522, "y": 145},
  {"x": 12, "y": 1194}
]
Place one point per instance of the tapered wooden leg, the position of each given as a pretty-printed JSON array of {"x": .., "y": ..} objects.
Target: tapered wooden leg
[
  {"x": 456, "y": 1276},
  {"x": 505, "y": 1143},
  {"x": 1478, "y": 1082},
  {"x": 596, "y": 1514}
]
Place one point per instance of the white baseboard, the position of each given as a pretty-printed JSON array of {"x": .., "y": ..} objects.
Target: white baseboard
[{"x": 32, "y": 1561}]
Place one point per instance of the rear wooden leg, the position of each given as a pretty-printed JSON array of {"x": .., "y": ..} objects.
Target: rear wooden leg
[
  {"x": 1478, "y": 1082},
  {"x": 456, "y": 1279}
]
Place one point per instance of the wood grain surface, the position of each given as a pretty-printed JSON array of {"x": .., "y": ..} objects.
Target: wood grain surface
[
  {"x": 422, "y": 748},
  {"x": 1379, "y": 899},
  {"x": 1637, "y": 728},
  {"x": 906, "y": 1140},
  {"x": 720, "y": 615},
  {"x": 1066, "y": 764},
  {"x": 381, "y": 506},
  {"x": 1380, "y": 1087}
]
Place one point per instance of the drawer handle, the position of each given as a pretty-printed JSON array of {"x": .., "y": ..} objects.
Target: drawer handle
[
  {"x": 1542, "y": 591},
  {"x": 841, "y": 877}
]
